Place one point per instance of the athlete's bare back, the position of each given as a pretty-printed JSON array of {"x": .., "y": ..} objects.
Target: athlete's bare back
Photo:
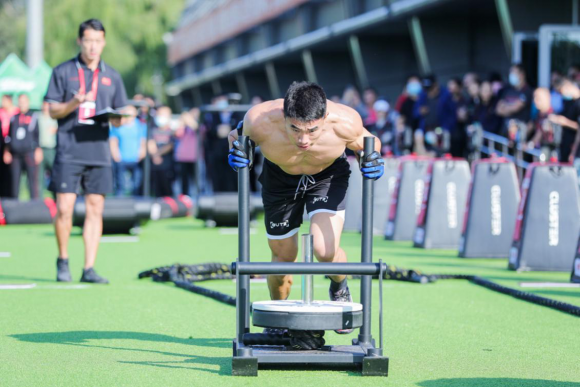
[{"x": 304, "y": 148}]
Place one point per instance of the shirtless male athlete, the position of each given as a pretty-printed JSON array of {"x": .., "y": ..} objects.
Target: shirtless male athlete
[{"x": 303, "y": 139}]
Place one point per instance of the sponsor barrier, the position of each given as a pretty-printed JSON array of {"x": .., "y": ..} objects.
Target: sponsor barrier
[
  {"x": 490, "y": 213},
  {"x": 407, "y": 197},
  {"x": 548, "y": 220},
  {"x": 440, "y": 221},
  {"x": 384, "y": 188}
]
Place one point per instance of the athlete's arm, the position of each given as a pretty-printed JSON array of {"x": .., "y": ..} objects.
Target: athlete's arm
[
  {"x": 248, "y": 129},
  {"x": 358, "y": 133},
  {"x": 372, "y": 165}
]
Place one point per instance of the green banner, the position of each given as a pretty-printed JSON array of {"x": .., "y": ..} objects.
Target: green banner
[{"x": 16, "y": 78}]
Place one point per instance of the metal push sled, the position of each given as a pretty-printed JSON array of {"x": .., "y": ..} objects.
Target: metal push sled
[{"x": 253, "y": 351}]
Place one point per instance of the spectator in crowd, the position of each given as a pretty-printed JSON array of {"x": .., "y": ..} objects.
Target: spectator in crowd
[
  {"x": 146, "y": 108},
  {"x": 472, "y": 96},
  {"x": 568, "y": 119},
  {"x": 7, "y": 111},
  {"x": 186, "y": 148},
  {"x": 351, "y": 98},
  {"x": 161, "y": 150},
  {"x": 496, "y": 82},
  {"x": 473, "y": 99},
  {"x": 555, "y": 96},
  {"x": 22, "y": 151},
  {"x": 458, "y": 104},
  {"x": 369, "y": 98},
  {"x": 217, "y": 126},
  {"x": 48, "y": 127},
  {"x": 406, "y": 102},
  {"x": 385, "y": 127},
  {"x": 543, "y": 132},
  {"x": 469, "y": 79},
  {"x": 436, "y": 113},
  {"x": 515, "y": 100},
  {"x": 484, "y": 112},
  {"x": 127, "y": 150}
]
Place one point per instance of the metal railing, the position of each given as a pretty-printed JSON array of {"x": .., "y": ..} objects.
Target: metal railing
[{"x": 487, "y": 143}]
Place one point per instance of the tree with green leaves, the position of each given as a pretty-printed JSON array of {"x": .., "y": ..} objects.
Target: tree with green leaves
[{"x": 134, "y": 33}]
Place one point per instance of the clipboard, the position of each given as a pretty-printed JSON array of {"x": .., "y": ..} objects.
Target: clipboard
[{"x": 105, "y": 114}]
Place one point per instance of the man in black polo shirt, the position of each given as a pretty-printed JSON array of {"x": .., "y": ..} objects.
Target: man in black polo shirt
[{"x": 78, "y": 88}]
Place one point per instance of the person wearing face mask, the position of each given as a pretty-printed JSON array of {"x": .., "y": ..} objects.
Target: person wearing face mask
[
  {"x": 160, "y": 148},
  {"x": 515, "y": 100},
  {"x": 568, "y": 119},
  {"x": 406, "y": 102}
]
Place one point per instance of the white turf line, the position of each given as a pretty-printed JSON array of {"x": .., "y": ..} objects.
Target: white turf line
[
  {"x": 549, "y": 285},
  {"x": 119, "y": 239},
  {"x": 66, "y": 287},
  {"x": 16, "y": 286},
  {"x": 31, "y": 286},
  {"x": 5, "y": 254}
]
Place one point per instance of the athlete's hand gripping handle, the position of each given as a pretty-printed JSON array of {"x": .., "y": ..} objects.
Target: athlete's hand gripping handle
[{"x": 372, "y": 166}]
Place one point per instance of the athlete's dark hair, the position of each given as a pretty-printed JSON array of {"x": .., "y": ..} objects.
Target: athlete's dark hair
[
  {"x": 305, "y": 102},
  {"x": 91, "y": 24}
]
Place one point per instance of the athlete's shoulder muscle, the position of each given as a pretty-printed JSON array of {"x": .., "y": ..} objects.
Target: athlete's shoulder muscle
[
  {"x": 347, "y": 122},
  {"x": 260, "y": 119}
]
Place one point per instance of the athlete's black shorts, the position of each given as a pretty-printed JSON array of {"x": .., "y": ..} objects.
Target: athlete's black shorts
[
  {"x": 69, "y": 178},
  {"x": 285, "y": 196}
]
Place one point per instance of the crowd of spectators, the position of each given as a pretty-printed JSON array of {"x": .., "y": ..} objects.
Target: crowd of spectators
[{"x": 428, "y": 117}]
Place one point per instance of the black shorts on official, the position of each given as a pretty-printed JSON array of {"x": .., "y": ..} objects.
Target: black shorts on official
[
  {"x": 285, "y": 196},
  {"x": 71, "y": 178}
]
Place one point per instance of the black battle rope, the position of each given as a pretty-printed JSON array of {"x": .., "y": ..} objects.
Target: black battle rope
[{"x": 184, "y": 276}]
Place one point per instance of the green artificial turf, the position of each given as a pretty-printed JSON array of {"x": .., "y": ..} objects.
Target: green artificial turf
[{"x": 137, "y": 332}]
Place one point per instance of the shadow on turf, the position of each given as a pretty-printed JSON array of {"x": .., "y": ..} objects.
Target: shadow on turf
[
  {"x": 77, "y": 337},
  {"x": 18, "y": 277},
  {"x": 500, "y": 382},
  {"x": 81, "y": 338}
]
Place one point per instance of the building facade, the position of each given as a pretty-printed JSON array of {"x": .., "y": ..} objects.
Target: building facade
[{"x": 258, "y": 47}]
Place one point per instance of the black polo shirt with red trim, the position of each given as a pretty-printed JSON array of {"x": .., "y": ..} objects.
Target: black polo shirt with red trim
[
  {"x": 81, "y": 143},
  {"x": 23, "y": 134}
]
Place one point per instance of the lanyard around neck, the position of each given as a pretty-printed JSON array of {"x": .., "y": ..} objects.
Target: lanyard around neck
[{"x": 94, "y": 84}]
